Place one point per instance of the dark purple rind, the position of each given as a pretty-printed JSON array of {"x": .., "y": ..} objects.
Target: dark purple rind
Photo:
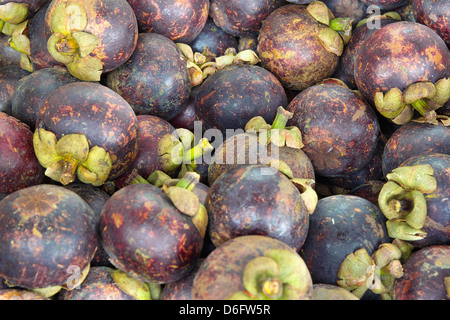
[
  {"x": 423, "y": 275},
  {"x": 339, "y": 129},
  {"x": 48, "y": 233},
  {"x": 107, "y": 120},
  {"x": 9, "y": 80},
  {"x": 155, "y": 80},
  {"x": 147, "y": 237},
  {"x": 268, "y": 204},
  {"x": 434, "y": 14}
]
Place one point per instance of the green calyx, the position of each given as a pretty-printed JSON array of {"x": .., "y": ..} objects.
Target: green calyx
[
  {"x": 277, "y": 133},
  {"x": 402, "y": 201},
  {"x": 177, "y": 149},
  {"x": 422, "y": 97},
  {"x": 133, "y": 287},
  {"x": 279, "y": 274},
  {"x": 360, "y": 271},
  {"x": 70, "y": 157},
  {"x": 20, "y": 42},
  {"x": 72, "y": 46},
  {"x": 14, "y": 13}
]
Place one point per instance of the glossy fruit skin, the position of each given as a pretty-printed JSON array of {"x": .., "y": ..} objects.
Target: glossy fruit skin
[
  {"x": 229, "y": 98},
  {"x": 214, "y": 38},
  {"x": 187, "y": 117},
  {"x": 242, "y": 18},
  {"x": 114, "y": 24},
  {"x": 69, "y": 108},
  {"x": 423, "y": 55},
  {"x": 46, "y": 231},
  {"x": 32, "y": 91},
  {"x": 346, "y": 68},
  {"x": 178, "y": 20},
  {"x": 413, "y": 139},
  {"x": 151, "y": 130},
  {"x": 423, "y": 275},
  {"x": 155, "y": 80},
  {"x": 147, "y": 237},
  {"x": 181, "y": 289},
  {"x": 98, "y": 285},
  {"x": 240, "y": 149},
  {"x": 96, "y": 198},
  {"x": 288, "y": 47},
  {"x": 256, "y": 199},
  {"x": 220, "y": 274},
  {"x": 9, "y": 80},
  {"x": 385, "y": 4},
  {"x": 340, "y": 225},
  {"x": 19, "y": 167},
  {"x": 434, "y": 14},
  {"x": 339, "y": 129},
  {"x": 437, "y": 222}
]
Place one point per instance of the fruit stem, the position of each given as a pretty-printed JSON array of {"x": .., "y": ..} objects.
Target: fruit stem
[
  {"x": 189, "y": 180},
  {"x": 196, "y": 152},
  {"x": 423, "y": 108},
  {"x": 69, "y": 169},
  {"x": 341, "y": 24},
  {"x": 272, "y": 288},
  {"x": 281, "y": 118},
  {"x": 135, "y": 178}
]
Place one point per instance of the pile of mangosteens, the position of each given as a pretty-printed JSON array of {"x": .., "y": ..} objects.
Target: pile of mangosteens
[{"x": 224, "y": 149}]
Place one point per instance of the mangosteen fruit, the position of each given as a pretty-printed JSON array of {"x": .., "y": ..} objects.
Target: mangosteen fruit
[
  {"x": 256, "y": 199},
  {"x": 230, "y": 97},
  {"x": 415, "y": 200},
  {"x": 339, "y": 129},
  {"x": 242, "y": 18},
  {"x": 48, "y": 237},
  {"x": 155, "y": 80},
  {"x": 340, "y": 225},
  {"x": 214, "y": 38},
  {"x": 413, "y": 139},
  {"x": 104, "y": 283},
  {"x": 85, "y": 130},
  {"x": 91, "y": 37},
  {"x": 402, "y": 68},
  {"x": 178, "y": 20},
  {"x": 147, "y": 236},
  {"x": 9, "y": 80},
  {"x": 385, "y": 4},
  {"x": 426, "y": 275},
  {"x": 33, "y": 89},
  {"x": 19, "y": 167},
  {"x": 299, "y": 44},
  {"x": 434, "y": 14},
  {"x": 181, "y": 289},
  {"x": 253, "y": 267}
]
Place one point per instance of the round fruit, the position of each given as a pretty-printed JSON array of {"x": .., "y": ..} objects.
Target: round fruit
[
  {"x": 32, "y": 91},
  {"x": 19, "y": 167},
  {"x": 229, "y": 98},
  {"x": 147, "y": 237},
  {"x": 425, "y": 275},
  {"x": 256, "y": 199},
  {"x": 9, "y": 80},
  {"x": 413, "y": 139},
  {"x": 104, "y": 283},
  {"x": 340, "y": 225},
  {"x": 385, "y": 4},
  {"x": 434, "y": 14},
  {"x": 339, "y": 129},
  {"x": 91, "y": 37},
  {"x": 296, "y": 48},
  {"x": 155, "y": 80},
  {"x": 355, "y": 9},
  {"x": 242, "y": 18},
  {"x": 178, "y": 20},
  {"x": 181, "y": 289},
  {"x": 253, "y": 267},
  {"x": 151, "y": 130},
  {"x": 86, "y": 129},
  {"x": 48, "y": 237},
  {"x": 214, "y": 38}
]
